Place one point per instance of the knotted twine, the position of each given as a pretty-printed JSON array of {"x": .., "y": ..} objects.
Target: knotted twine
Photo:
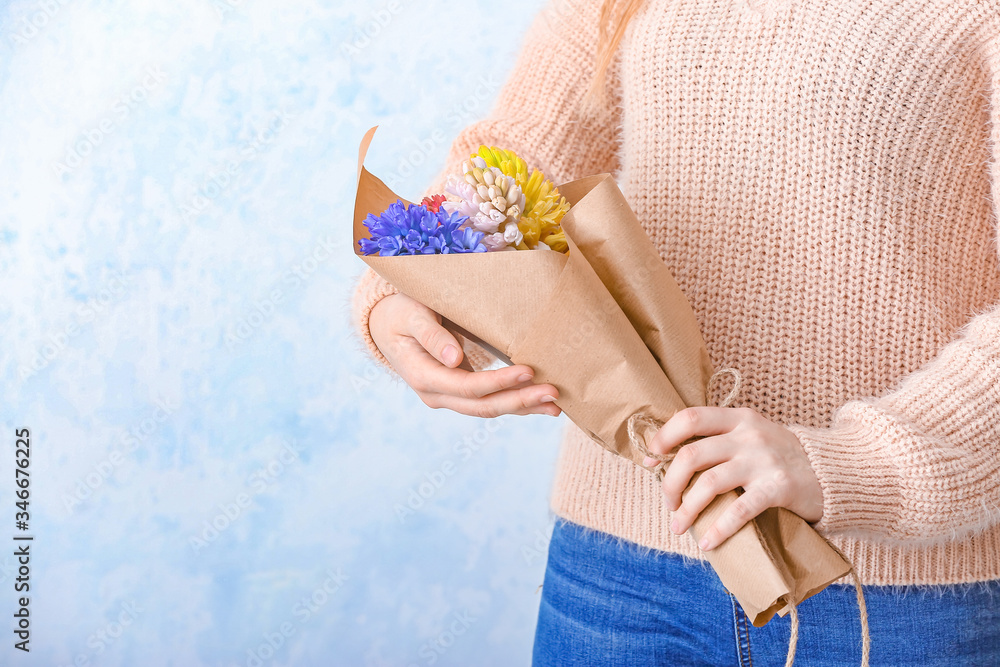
[{"x": 638, "y": 443}]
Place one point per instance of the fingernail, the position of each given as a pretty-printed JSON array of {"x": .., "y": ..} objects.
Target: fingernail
[
  {"x": 675, "y": 526},
  {"x": 548, "y": 398},
  {"x": 648, "y": 462},
  {"x": 450, "y": 354},
  {"x": 523, "y": 377},
  {"x": 704, "y": 543}
]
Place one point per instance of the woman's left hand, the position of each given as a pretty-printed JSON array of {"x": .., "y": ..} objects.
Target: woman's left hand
[{"x": 742, "y": 449}]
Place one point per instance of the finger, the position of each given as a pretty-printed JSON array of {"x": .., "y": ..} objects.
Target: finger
[
  {"x": 481, "y": 384},
  {"x": 438, "y": 341},
  {"x": 699, "y": 455},
  {"x": 711, "y": 483},
  {"x": 509, "y": 401},
  {"x": 429, "y": 376},
  {"x": 748, "y": 506},
  {"x": 694, "y": 421},
  {"x": 549, "y": 409}
]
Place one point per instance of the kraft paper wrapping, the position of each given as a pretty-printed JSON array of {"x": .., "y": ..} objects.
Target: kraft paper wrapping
[{"x": 606, "y": 324}]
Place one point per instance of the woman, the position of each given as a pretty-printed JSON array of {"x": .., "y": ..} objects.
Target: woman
[{"x": 818, "y": 178}]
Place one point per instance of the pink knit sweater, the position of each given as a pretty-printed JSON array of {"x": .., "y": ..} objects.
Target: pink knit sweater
[{"x": 823, "y": 179}]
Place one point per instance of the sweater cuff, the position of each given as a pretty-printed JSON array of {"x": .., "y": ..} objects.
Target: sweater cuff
[
  {"x": 371, "y": 289},
  {"x": 861, "y": 488}
]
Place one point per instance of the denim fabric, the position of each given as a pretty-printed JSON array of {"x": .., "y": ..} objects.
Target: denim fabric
[{"x": 609, "y": 602}]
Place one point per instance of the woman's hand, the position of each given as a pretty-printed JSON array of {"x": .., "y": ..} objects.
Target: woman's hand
[
  {"x": 742, "y": 449},
  {"x": 425, "y": 355}
]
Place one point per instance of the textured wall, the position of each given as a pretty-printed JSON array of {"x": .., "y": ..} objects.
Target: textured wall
[{"x": 176, "y": 270}]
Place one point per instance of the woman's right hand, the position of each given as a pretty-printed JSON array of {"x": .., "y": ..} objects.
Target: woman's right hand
[{"x": 425, "y": 354}]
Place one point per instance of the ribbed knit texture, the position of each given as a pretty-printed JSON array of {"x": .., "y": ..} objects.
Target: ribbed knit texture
[{"x": 818, "y": 178}]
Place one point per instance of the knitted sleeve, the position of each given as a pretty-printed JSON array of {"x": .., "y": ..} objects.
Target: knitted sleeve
[
  {"x": 921, "y": 463},
  {"x": 537, "y": 115}
]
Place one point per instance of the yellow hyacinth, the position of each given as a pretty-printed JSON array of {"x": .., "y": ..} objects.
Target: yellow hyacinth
[
  {"x": 506, "y": 161},
  {"x": 544, "y": 207}
]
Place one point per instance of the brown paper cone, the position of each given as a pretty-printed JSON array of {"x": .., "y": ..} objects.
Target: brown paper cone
[{"x": 615, "y": 340}]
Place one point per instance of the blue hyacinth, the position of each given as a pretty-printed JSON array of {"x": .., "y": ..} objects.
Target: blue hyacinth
[{"x": 415, "y": 230}]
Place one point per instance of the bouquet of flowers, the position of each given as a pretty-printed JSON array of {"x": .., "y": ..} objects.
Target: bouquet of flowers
[
  {"x": 594, "y": 310},
  {"x": 495, "y": 205}
]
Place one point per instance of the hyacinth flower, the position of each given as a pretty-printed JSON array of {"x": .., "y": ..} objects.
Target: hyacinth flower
[
  {"x": 544, "y": 207},
  {"x": 416, "y": 230},
  {"x": 492, "y": 202}
]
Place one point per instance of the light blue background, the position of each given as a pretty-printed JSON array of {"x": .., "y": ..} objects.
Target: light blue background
[{"x": 177, "y": 339}]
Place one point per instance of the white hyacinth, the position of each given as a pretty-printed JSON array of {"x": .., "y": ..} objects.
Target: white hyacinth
[{"x": 492, "y": 201}]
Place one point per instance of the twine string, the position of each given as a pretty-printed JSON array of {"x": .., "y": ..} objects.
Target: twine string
[
  {"x": 793, "y": 635},
  {"x": 866, "y": 641},
  {"x": 638, "y": 442}
]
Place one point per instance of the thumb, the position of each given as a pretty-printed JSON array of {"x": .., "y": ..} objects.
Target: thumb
[{"x": 438, "y": 341}]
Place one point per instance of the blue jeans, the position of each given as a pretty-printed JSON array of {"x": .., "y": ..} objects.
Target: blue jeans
[{"x": 609, "y": 602}]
